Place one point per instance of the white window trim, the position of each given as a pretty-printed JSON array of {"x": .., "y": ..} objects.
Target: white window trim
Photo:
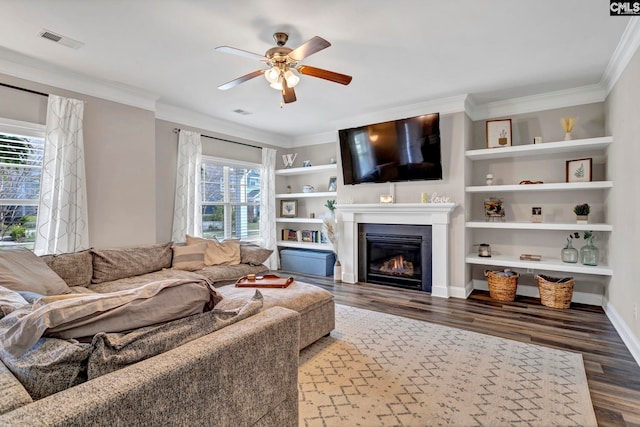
[{"x": 16, "y": 127}]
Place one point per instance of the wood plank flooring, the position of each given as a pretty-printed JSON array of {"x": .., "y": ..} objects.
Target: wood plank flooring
[{"x": 612, "y": 373}]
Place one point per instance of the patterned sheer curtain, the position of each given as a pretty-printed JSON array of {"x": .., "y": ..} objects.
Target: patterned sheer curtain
[
  {"x": 187, "y": 209},
  {"x": 62, "y": 223},
  {"x": 268, "y": 206}
]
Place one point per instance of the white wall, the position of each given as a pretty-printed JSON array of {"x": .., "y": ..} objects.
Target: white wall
[{"x": 623, "y": 205}]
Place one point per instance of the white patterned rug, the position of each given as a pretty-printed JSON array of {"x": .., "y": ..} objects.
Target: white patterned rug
[{"x": 383, "y": 370}]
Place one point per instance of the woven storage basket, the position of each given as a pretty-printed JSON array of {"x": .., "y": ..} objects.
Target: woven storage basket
[
  {"x": 555, "y": 292},
  {"x": 502, "y": 288}
]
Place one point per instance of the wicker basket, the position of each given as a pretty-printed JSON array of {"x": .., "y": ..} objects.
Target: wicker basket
[
  {"x": 502, "y": 288},
  {"x": 555, "y": 292}
]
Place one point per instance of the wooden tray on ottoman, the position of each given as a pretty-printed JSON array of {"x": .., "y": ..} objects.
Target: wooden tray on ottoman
[{"x": 266, "y": 281}]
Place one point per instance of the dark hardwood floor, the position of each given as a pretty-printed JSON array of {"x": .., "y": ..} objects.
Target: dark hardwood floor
[{"x": 612, "y": 373}]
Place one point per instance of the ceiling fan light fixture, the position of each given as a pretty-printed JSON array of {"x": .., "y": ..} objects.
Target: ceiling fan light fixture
[
  {"x": 272, "y": 75},
  {"x": 277, "y": 85},
  {"x": 292, "y": 79}
]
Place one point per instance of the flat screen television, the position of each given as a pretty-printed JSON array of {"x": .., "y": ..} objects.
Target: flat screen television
[{"x": 399, "y": 150}]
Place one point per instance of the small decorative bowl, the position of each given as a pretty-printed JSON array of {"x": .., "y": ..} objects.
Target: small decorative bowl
[{"x": 308, "y": 189}]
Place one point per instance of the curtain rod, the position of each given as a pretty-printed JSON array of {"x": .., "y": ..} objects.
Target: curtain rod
[
  {"x": 24, "y": 90},
  {"x": 177, "y": 130}
]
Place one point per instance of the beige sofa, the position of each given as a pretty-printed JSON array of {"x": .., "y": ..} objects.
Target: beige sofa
[{"x": 242, "y": 374}]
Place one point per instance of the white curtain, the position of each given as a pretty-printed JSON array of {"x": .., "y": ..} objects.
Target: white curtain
[
  {"x": 268, "y": 206},
  {"x": 62, "y": 224},
  {"x": 187, "y": 209}
]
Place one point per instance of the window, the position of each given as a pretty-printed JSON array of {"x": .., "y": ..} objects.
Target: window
[
  {"x": 230, "y": 199},
  {"x": 21, "y": 154}
]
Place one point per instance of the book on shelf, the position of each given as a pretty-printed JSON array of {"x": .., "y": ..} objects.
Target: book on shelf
[{"x": 310, "y": 236}]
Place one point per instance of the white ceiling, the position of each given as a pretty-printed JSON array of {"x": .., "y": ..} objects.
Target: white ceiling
[{"x": 399, "y": 53}]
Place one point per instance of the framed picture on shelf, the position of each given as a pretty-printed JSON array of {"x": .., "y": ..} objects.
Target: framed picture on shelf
[
  {"x": 332, "y": 184},
  {"x": 494, "y": 209},
  {"x": 498, "y": 133},
  {"x": 288, "y": 208},
  {"x": 536, "y": 214},
  {"x": 579, "y": 170}
]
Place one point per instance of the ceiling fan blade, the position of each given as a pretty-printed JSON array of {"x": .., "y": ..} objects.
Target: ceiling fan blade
[
  {"x": 343, "y": 79},
  {"x": 288, "y": 94},
  {"x": 310, "y": 47},
  {"x": 240, "y": 52},
  {"x": 236, "y": 82}
]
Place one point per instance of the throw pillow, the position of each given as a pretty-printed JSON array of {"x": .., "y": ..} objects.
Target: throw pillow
[
  {"x": 226, "y": 252},
  {"x": 86, "y": 315},
  {"x": 253, "y": 254},
  {"x": 10, "y": 301},
  {"x": 118, "y": 263},
  {"x": 22, "y": 270},
  {"x": 190, "y": 258},
  {"x": 75, "y": 268}
]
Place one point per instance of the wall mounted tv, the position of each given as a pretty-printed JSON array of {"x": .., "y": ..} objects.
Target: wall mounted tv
[{"x": 399, "y": 150}]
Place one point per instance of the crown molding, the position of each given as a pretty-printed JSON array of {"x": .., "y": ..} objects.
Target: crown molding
[
  {"x": 545, "y": 101},
  {"x": 186, "y": 117},
  {"x": 24, "y": 67},
  {"x": 627, "y": 47}
]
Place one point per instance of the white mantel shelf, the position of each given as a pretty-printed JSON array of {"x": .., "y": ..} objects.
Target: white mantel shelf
[{"x": 435, "y": 214}]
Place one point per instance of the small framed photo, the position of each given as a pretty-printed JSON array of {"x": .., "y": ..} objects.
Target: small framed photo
[
  {"x": 536, "y": 214},
  {"x": 494, "y": 209},
  {"x": 288, "y": 208},
  {"x": 579, "y": 170},
  {"x": 333, "y": 186},
  {"x": 498, "y": 133}
]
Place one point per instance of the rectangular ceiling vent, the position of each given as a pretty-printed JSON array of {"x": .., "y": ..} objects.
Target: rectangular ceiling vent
[{"x": 60, "y": 39}]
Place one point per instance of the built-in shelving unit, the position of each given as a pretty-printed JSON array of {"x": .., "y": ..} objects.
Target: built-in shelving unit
[
  {"x": 314, "y": 224},
  {"x": 517, "y": 157}
]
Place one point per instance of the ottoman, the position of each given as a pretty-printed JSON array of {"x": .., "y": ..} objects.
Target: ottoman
[{"x": 315, "y": 305}]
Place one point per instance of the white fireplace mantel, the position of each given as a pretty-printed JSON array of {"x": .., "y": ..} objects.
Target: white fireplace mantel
[{"x": 435, "y": 214}]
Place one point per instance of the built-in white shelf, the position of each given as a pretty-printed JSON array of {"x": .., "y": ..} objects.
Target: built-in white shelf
[
  {"x": 300, "y": 220},
  {"x": 308, "y": 170},
  {"x": 545, "y": 148},
  {"x": 556, "y": 186},
  {"x": 547, "y": 264},
  {"x": 305, "y": 245},
  {"x": 569, "y": 226},
  {"x": 306, "y": 195}
]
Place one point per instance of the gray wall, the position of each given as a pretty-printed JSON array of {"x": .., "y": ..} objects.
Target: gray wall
[
  {"x": 622, "y": 111},
  {"x": 120, "y": 161}
]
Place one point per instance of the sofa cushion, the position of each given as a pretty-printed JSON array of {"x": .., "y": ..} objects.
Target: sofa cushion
[
  {"x": 253, "y": 254},
  {"x": 189, "y": 258},
  {"x": 52, "y": 365},
  {"x": 117, "y": 263},
  {"x": 217, "y": 273},
  {"x": 13, "y": 393},
  {"x": 22, "y": 270},
  {"x": 113, "y": 351},
  {"x": 75, "y": 268},
  {"x": 86, "y": 315},
  {"x": 218, "y": 253},
  {"x": 137, "y": 281}
]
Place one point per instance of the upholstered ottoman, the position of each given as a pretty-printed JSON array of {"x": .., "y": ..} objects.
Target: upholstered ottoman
[{"x": 315, "y": 305}]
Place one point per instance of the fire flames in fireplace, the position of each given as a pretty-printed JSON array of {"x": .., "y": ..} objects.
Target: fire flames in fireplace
[{"x": 397, "y": 265}]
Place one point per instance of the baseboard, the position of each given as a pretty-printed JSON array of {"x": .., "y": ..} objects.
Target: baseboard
[
  {"x": 462, "y": 293},
  {"x": 630, "y": 340},
  {"x": 532, "y": 291}
]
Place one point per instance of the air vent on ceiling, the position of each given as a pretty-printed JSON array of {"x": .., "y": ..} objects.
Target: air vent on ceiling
[
  {"x": 60, "y": 39},
  {"x": 242, "y": 112}
]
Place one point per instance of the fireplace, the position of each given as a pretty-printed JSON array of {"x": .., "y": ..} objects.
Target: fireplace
[{"x": 395, "y": 255}]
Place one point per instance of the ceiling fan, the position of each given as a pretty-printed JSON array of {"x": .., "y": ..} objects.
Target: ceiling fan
[{"x": 281, "y": 63}]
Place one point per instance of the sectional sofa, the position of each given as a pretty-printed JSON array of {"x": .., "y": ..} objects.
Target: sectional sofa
[{"x": 234, "y": 364}]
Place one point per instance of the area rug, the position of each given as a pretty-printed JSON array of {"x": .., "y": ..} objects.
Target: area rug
[{"x": 382, "y": 370}]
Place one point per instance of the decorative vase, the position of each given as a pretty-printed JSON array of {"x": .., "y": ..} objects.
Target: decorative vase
[
  {"x": 567, "y": 136},
  {"x": 582, "y": 219},
  {"x": 569, "y": 253},
  {"x": 337, "y": 272},
  {"x": 589, "y": 254}
]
